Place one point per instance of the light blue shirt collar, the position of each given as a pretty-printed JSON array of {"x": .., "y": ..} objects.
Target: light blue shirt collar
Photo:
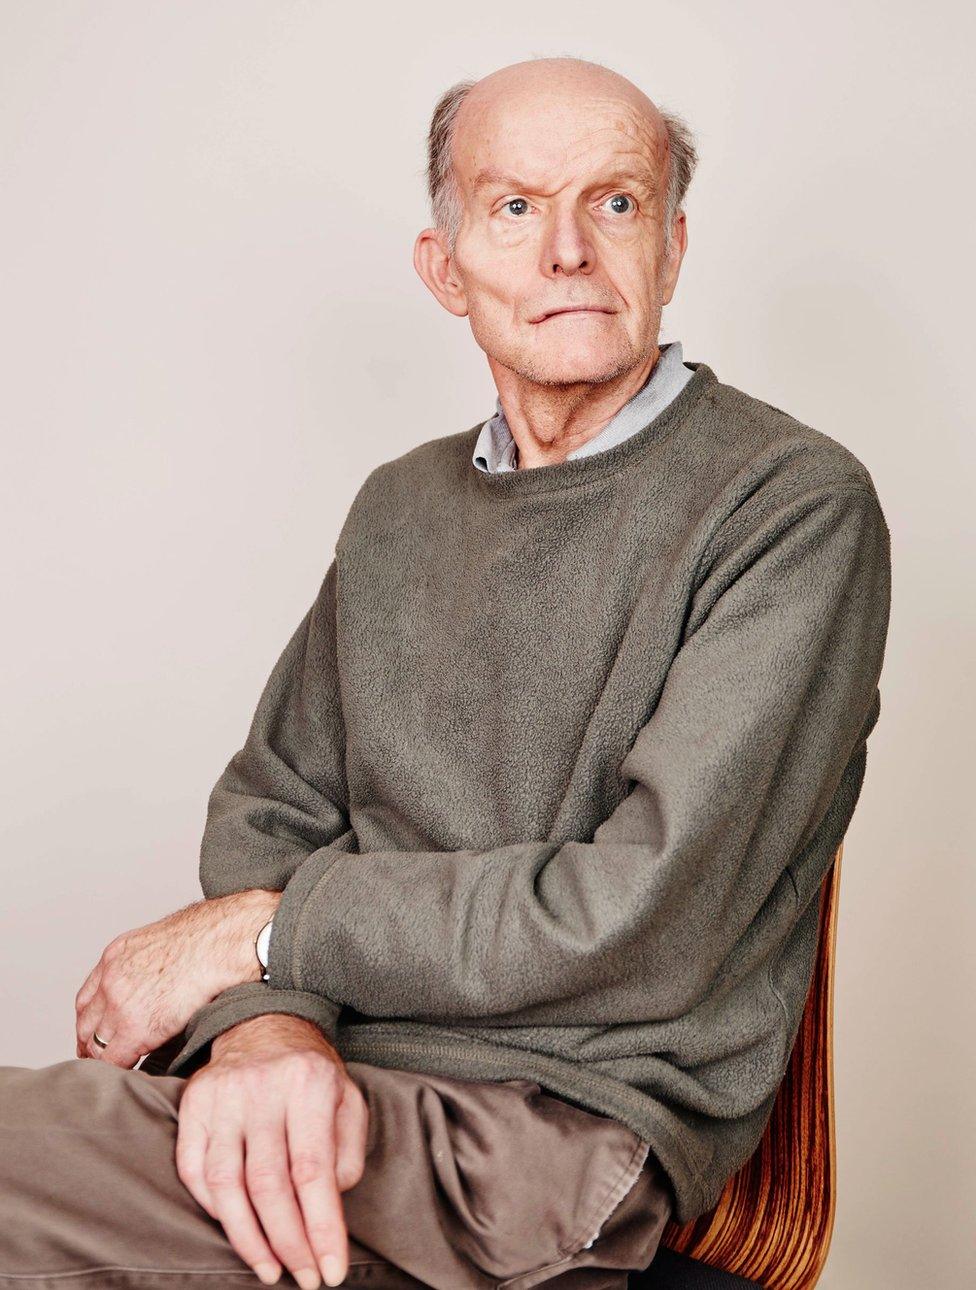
[{"x": 495, "y": 449}]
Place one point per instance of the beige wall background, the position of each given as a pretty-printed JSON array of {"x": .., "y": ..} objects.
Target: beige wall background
[{"x": 212, "y": 330}]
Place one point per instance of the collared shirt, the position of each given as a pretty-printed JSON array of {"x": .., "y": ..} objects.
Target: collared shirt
[{"x": 496, "y": 450}]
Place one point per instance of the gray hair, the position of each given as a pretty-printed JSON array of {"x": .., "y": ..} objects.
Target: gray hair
[{"x": 444, "y": 194}]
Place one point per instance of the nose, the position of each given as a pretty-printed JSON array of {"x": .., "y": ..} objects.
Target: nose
[{"x": 566, "y": 245}]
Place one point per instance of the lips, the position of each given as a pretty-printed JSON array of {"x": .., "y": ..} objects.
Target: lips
[{"x": 572, "y": 309}]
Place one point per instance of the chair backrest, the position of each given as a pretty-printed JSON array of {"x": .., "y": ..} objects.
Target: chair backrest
[{"x": 774, "y": 1220}]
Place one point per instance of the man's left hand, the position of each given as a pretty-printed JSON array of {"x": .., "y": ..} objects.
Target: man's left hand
[{"x": 149, "y": 982}]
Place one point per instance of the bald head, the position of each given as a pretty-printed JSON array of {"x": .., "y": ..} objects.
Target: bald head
[
  {"x": 529, "y": 92},
  {"x": 549, "y": 77}
]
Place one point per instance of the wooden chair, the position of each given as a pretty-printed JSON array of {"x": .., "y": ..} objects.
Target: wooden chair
[{"x": 774, "y": 1220}]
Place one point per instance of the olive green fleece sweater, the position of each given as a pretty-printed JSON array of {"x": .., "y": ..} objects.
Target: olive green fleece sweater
[{"x": 552, "y": 770}]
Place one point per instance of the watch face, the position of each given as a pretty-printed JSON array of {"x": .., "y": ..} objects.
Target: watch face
[{"x": 263, "y": 942}]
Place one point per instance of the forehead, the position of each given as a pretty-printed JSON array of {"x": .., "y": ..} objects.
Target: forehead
[{"x": 547, "y": 142}]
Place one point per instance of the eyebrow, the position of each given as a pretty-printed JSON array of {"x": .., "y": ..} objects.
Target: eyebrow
[{"x": 491, "y": 176}]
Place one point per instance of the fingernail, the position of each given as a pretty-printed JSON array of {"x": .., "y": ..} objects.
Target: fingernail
[
  {"x": 268, "y": 1272},
  {"x": 331, "y": 1270},
  {"x": 308, "y": 1278}
]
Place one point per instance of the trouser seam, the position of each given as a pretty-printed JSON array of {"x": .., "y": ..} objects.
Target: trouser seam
[{"x": 609, "y": 1201}]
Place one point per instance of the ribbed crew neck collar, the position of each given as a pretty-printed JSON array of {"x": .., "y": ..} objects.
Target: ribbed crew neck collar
[{"x": 579, "y": 470}]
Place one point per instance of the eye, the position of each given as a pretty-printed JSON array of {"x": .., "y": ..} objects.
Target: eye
[
  {"x": 620, "y": 197},
  {"x": 516, "y": 201}
]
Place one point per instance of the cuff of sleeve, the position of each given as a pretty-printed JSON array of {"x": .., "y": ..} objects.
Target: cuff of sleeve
[
  {"x": 241, "y": 1003},
  {"x": 284, "y": 959}
]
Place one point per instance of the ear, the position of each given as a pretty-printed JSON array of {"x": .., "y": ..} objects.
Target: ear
[
  {"x": 679, "y": 244},
  {"x": 436, "y": 267}
]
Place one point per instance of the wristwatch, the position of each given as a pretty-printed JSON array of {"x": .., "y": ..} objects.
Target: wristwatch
[{"x": 261, "y": 943}]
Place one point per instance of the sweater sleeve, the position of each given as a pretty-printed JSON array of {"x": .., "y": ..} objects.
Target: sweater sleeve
[
  {"x": 770, "y": 696},
  {"x": 282, "y": 796}
]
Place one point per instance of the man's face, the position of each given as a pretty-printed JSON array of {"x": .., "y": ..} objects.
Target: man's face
[{"x": 563, "y": 194}]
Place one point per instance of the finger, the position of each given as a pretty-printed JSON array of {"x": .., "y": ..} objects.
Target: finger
[
  {"x": 223, "y": 1172},
  {"x": 90, "y": 1014},
  {"x": 89, "y": 986},
  {"x": 310, "y": 1126},
  {"x": 272, "y": 1193},
  {"x": 119, "y": 1052},
  {"x": 88, "y": 1020},
  {"x": 88, "y": 1028},
  {"x": 96, "y": 1050},
  {"x": 191, "y": 1151},
  {"x": 351, "y": 1135},
  {"x": 122, "y": 1048}
]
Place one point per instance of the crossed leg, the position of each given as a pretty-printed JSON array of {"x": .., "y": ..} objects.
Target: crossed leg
[{"x": 468, "y": 1185}]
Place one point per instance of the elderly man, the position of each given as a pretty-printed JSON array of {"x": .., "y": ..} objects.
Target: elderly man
[{"x": 512, "y": 891}]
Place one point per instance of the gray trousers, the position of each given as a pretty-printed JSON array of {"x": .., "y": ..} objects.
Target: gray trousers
[{"x": 468, "y": 1185}]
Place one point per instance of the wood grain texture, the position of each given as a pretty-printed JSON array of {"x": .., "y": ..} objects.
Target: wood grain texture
[{"x": 774, "y": 1220}]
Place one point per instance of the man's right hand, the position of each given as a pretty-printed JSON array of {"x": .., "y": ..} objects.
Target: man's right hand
[{"x": 271, "y": 1130}]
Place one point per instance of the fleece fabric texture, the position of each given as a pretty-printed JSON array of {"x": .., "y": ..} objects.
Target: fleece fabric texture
[{"x": 552, "y": 770}]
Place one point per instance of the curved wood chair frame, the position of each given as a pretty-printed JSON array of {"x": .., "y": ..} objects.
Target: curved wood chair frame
[{"x": 774, "y": 1220}]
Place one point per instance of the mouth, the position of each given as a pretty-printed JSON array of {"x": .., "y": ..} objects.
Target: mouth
[{"x": 572, "y": 309}]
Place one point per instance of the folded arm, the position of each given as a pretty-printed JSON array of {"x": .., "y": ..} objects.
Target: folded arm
[
  {"x": 282, "y": 796},
  {"x": 763, "y": 710}
]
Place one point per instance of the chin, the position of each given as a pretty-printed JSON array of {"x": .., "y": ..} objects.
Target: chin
[{"x": 564, "y": 366}]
